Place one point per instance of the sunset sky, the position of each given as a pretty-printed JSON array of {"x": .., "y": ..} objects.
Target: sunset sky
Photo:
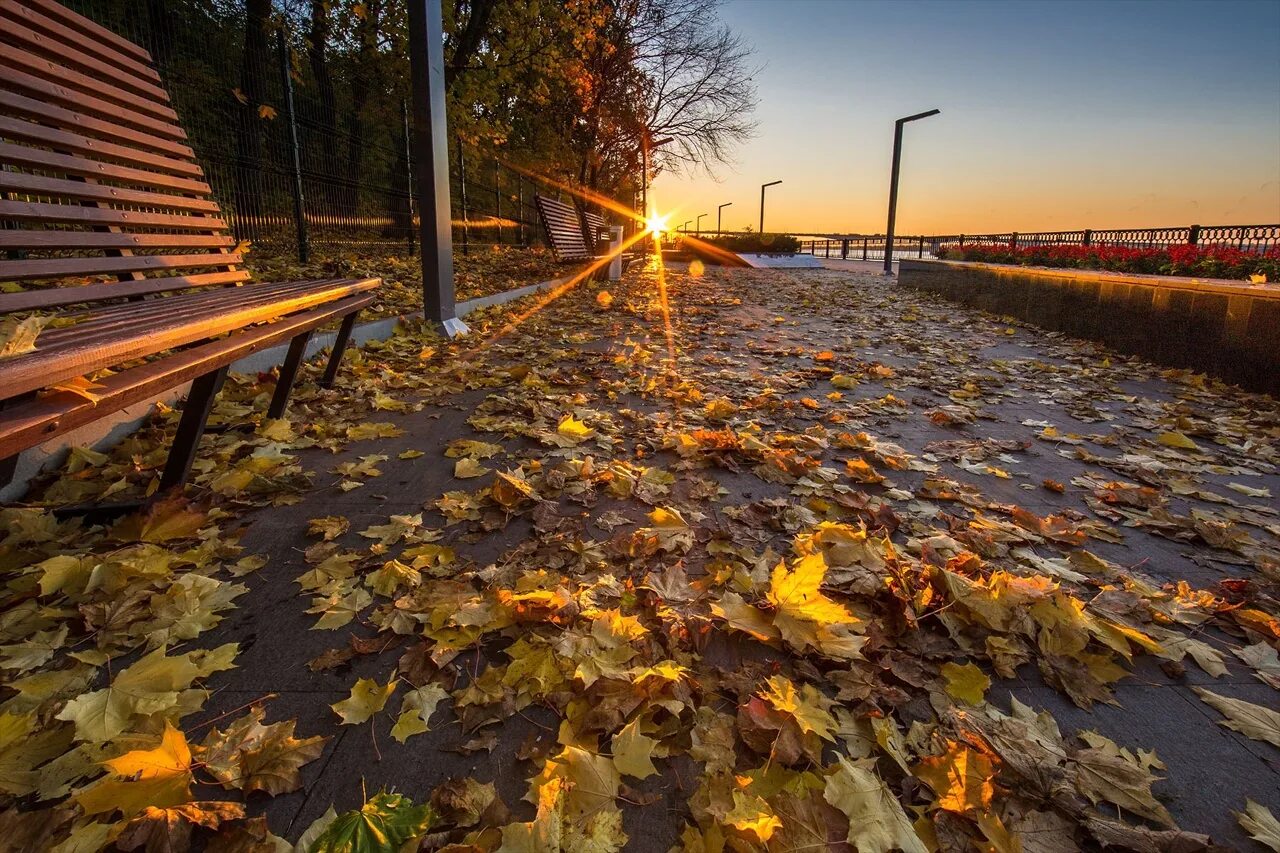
[{"x": 1054, "y": 115}]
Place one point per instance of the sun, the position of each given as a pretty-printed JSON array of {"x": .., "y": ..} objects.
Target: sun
[{"x": 656, "y": 224}]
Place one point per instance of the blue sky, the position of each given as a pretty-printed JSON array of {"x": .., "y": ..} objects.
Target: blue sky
[{"x": 1054, "y": 115}]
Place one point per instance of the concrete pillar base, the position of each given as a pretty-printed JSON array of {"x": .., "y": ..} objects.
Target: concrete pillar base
[{"x": 454, "y": 327}]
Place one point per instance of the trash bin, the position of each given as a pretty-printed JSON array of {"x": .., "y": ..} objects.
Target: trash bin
[{"x": 615, "y": 249}]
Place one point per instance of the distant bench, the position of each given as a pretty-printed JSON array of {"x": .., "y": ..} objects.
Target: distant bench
[
  {"x": 97, "y": 181},
  {"x": 575, "y": 235}
]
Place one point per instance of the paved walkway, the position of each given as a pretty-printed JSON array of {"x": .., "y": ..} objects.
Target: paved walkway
[{"x": 794, "y": 398}]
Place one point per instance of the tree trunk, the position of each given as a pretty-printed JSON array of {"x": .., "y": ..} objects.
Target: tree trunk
[{"x": 469, "y": 36}]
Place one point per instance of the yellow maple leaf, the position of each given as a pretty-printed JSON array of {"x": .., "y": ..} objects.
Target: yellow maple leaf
[
  {"x": 807, "y": 705},
  {"x": 633, "y": 751},
  {"x": 574, "y": 431},
  {"x": 367, "y": 698},
  {"x": 753, "y": 817},
  {"x": 81, "y": 386},
  {"x": 804, "y": 616},
  {"x": 965, "y": 682},
  {"x": 466, "y": 468},
  {"x": 962, "y": 779},
  {"x": 157, "y": 777},
  {"x": 19, "y": 336},
  {"x": 590, "y": 781},
  {"x": 1176, "y": 439}
]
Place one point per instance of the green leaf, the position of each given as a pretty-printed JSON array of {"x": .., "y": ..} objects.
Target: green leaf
[{"x": 381, "y": 825}]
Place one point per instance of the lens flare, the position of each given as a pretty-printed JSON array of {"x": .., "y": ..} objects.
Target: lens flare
[{"x": 656, "y": 224}]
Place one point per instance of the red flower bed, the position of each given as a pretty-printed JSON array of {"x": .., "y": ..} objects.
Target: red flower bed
[{"x": 1185, "y": 260}]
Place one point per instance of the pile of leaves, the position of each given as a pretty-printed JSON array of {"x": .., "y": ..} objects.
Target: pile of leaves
[
  {"x": 1185, "y": 260},
  {"x": 738, "y": 600}
]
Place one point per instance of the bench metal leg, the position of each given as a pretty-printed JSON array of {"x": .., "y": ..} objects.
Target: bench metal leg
[
  {"x": 195, "y": 414},
  {"x": 8, "y": 467},
  {"x": 339, "y": 347},
  {"x": 288, "y": 373}
]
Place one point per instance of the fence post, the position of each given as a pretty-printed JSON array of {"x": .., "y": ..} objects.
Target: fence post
[
  {"x": 864, "y": 248},
  {"x": 844, "y": 249},
  {"x": 1013, "y": 240},
  {"x": 828, "y": 248},
  {"x": 462, "y": 191},
  {"x": 1193, "y": 235},
  {"x": 920, "y": 254},
  {"x": 1088, "y": 237},
  {"x": 497, "y": 195},
  {"x": 408, "y": 168},
  {"x": 299, "y": 205},
  {"x": 520, "y": 205},
  {"x": 962, "y": 241}
]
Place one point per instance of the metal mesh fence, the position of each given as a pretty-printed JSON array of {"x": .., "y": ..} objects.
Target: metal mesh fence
[{"x": 307, "y": 150}]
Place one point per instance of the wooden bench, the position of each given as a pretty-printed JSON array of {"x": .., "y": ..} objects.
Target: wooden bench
[
  {"x": 107, "y": 226},
  {"x": 575, "y": 235},
  {"x": 595, "y": 230}
]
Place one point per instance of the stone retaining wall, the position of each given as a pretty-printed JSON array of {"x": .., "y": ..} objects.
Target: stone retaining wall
[{"x": 1229, "y": 329}]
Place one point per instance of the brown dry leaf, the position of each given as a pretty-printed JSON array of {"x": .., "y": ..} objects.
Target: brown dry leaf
[
  {"x": 1249, "y": 719},
  {"x": 1105, "y": 771},
  {"x": 169, "y": 829}
]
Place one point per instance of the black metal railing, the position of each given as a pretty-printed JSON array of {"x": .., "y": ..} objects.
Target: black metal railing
[{"x": 871, "y": 247}]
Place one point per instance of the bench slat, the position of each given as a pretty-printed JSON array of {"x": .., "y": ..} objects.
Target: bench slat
[
  {"x": 57, "y": 239},
  {"x": 75, "y": 143},
  {"x": 58, "y": 267},
  {"x": 75, "y": 120},
  {"x": 88, "y": 53},
  {"x": 61, "y": 297},
  {"x": 71, "y": 164},
  {"x": 104, "y": 325},
  {"x": 25, "y": 52},
  {"x": 31, "y": 423},
  {"x": 57, "y": 92},
  {"x": 82, "y": 191},
  {"x": 41, "y": 369},
  {"x": 127, "y": 50},
  {"x": 109, "y": 318},
  {"x": 34, "y": 211}
]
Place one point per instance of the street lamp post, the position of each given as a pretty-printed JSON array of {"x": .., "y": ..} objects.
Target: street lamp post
[
  {"x": 645, "y": 145},
  {"x": 697, "y": 226},
  {"x": 764, "y": 187},
  {"x": 685, "y": 226},
  {"x": 718, "y": 210},
  {"x": 893, "y": 185}
]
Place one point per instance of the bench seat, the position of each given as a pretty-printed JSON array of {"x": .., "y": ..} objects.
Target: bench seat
[
  {"x": 35, "y": 419},
  {"x": 110, "y": 336}
]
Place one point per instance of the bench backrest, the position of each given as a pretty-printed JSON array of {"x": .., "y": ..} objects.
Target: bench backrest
[
  {"x": 563, "y": 226},
  {"x": 97, "y": 183},
  {"x": 597, "y": 231}
]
